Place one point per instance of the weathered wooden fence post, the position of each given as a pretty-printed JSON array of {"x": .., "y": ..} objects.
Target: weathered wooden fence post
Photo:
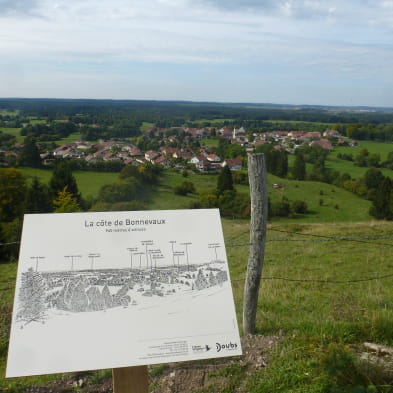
[
  {"x": 258, "y": 192},
  {"x": 130, "y": 379}
]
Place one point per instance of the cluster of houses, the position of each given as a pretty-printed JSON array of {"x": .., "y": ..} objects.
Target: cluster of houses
[
  {"x": 204, "y": 159},
  {"x": 290, "y": 140}
]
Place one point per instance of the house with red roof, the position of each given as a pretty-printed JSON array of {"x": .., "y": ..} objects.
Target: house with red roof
[
  {"x": 324, "y": 143},
  {"x": 234, "y": 164},
  {"x": 151, "y": 155}
]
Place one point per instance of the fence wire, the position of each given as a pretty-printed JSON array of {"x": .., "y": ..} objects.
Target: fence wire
[{"x": 320, "y": 238}]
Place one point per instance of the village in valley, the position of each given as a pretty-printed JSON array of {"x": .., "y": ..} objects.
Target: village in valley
[
  {"x": 204, "y": 159},
  {"x": 179, "y": 146}
]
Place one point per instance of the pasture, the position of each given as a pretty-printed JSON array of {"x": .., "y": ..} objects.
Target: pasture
[
  {"x": 89, "y": 183},
  {"x": 326, "y": 289},
  {"x": 383, "y": 149},
  {"x": 13, "y": 131}
]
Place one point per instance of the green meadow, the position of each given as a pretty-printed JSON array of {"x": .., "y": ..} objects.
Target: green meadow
[
  {"x": 373, "y": 147},
  {"x": 383, "y": 149},
  {"x": 306, "y": 124},
  {"x": 13, "y": 131},
  {"x": 89, "y": 183},
  {"x": 209, "y": 142},
  {"x": 326, "y": 285},
  {"x": 6, "y": 112},
  {"x": 145, "y": 125},
  {"x": 326, "y": 203},
  {"x": 326, "y": 289}
]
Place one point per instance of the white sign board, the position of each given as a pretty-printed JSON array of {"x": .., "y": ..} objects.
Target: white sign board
[{"x": 119, "y": 289}]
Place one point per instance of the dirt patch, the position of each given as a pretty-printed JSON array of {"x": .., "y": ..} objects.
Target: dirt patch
[
  {"x": 204, "y": 376},
  {"x": 217, "y": 374}
]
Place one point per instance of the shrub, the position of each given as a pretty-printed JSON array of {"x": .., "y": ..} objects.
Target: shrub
[
  {"x": 299, "y": 207},
  {"x": 187, "y": 187},
  {"x": 280, "y": 209}
]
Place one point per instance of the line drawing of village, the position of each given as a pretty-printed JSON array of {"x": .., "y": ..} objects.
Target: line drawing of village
[{"x": 151, "y": 275}]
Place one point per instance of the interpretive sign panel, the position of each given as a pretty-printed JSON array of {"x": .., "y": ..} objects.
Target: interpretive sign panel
[{"x": 119, "y": 289}]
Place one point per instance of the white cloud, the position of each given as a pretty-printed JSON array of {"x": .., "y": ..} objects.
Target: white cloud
[{"x": 347, "y": 38}]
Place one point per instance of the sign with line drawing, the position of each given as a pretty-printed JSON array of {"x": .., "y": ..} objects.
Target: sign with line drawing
[{"x": 118, "y": 289}]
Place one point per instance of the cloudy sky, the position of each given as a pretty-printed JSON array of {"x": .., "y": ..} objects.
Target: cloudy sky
[{"x": 337, "y": 52}]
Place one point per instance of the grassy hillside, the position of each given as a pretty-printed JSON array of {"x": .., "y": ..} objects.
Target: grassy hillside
[
  {"x": 326, "y": 289},
  {"x": 373, "y": 147},
  {"x": 347, "y": 166},
  {"x": 13, "y": 131},
  {"x": 313, "y": 292},
  {"x": 89, "y": 183},
  {"x": 326, "y": 203}
]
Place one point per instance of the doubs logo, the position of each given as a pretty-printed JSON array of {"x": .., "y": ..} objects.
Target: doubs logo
[{"x": 226, "y": 347}]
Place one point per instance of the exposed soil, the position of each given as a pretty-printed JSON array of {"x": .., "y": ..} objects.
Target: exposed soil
[{"x": 183, "y": 377}]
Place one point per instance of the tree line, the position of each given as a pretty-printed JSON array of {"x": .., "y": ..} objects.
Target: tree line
[
  {"x": 19, "y": 195},
  {"x": 172, "y": 113}
]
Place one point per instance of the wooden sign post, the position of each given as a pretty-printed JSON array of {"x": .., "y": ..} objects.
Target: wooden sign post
[{"x": 130, "y": 379}]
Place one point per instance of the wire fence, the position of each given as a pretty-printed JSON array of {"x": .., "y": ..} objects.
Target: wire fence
[
  {"x": 359, "y": 280},
  {"x": 320, "y": 238},
  {"x": 311, "y": 238}
]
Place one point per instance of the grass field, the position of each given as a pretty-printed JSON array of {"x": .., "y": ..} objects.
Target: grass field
[
  {"x": 320, "y": 293},
  {"x": 337, "y": 204},
  {"x": 16, "y": 132},
  {"x": 326, "y": 203},
  {"x": 145, "y": 125},
  {"x": 326, "y": 314},
  {"x": 71, "y": 138},
  {"x": 6, "y": 112},
  {"x": 373, "y": 147},
  {"x": 13, "y": 131},
  {"x": 308, "y": 124},
  {"x": 89, "y": 183},
  {"x": 347, "y": 166},
  {"x": 323, "y": 315},
  {"x": 209, "y": 142}
]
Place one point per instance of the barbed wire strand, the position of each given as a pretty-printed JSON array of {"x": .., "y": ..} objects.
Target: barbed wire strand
[
  {"x": 323, "y": 281},
  {"x": 324, "y": 239},
  {"x": 333, "y": 238}
]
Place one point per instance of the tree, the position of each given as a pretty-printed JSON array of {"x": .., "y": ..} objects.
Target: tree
[
  {"x": 10, "y": 233},
  {"x": 224, "y": 181},
  {"x": 12, "y": 194},
  {"x": 299, "y": 168},
  {"x": 361, "y": 158},
  {"x": 125, "y": 129},
  {"x": 373, "y": 160},
  {"x": 382, "y": 202},
  {"x": 129, "y": 171},
  {"x": 184, "y": 188},
  {"x": 62, "y": 177},
  {"x": 299, "y": 206},
  {"x": 281, "y": 168},
  {"x": 30, "y": 155},
  {"x": 373, "y": 178},
  {"x": 234, "y": 150},
  {"x": 66, "y": 202},
  {"x": 276, "y": 161},
  {"x": 38, "y": 198},
  {"x": 120, "y": 191},
  {"x": 208, "y": 199}
]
